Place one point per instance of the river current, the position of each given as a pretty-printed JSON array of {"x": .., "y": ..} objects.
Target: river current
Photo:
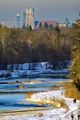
[{"x": 13, "y": 92}]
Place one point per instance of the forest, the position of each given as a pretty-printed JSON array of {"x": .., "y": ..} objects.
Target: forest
[
  {"x": 56, "y": 46},
  {"x": 18, "y": 45}
]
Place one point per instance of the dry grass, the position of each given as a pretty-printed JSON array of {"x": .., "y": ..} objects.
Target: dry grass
[
  {"x": 59, "y": 103},
  {"x": 29, "y": 94},
  {"x": 39, "y": 114},
  {"x": 63, "y": 104},
  {"x": 71, "y": 91},
  {"x": 54, "y": 88}
]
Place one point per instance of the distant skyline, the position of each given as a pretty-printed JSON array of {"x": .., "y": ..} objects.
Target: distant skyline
[{"x": 43, "y": 9}]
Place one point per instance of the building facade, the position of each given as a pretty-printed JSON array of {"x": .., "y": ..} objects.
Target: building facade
[
  {"x": 42, "y": 24},
  {"x": 25, "y": 19},
  {"x": 28, "y": 18},
  {"x": 62, "y": 25},
  {"x": 18, "y": 20}
]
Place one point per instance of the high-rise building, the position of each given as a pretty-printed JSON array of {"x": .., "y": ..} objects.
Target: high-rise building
[
  {"x": 24, "y": 19},
  {"x": 41, "y": 24},
  {"x": 18, "y": 20},
  {"x": 30, "y": 17}
]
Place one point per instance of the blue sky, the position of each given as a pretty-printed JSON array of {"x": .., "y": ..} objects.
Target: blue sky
[{"x": 44, "y": 9}]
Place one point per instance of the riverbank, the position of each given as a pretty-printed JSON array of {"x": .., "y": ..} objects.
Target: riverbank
[
  {"x": 41, "y": 69},
  {"x": 54, "y": 113}
]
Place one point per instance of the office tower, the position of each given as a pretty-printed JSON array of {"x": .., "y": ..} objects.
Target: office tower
[
  {"x": 24, "y": 19},
  {"x": 30, "y": 17},
  {"x": 67, "y": 22},
  {"x": 18, "y": 20}
]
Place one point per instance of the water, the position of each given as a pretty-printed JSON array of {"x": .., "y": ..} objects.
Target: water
[
  {"x": 9, "y": 102},
  {"x": 13, "y": 92},
  {"x": 33, "y": 79}
]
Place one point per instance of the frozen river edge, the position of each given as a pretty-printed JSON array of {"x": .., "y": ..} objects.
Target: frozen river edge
[{"x": 50, "y": 114}]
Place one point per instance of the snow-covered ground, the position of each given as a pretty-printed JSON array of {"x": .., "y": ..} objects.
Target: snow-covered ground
[
  {"x": 52, "y": 114},
  {"x": 59, "y": 94},
  {"x": 36, "y": 69}
]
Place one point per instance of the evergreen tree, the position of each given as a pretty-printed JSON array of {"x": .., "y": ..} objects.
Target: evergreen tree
[{"x": 76, "y": 55}]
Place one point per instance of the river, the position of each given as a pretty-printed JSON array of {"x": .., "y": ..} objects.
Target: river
[{"x": 13, "y": 92}]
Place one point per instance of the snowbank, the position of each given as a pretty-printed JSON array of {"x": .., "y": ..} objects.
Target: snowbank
[{"x": 53, "y": 114}]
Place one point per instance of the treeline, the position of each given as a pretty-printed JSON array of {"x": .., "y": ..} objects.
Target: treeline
[{"x": 19, "y": 46}]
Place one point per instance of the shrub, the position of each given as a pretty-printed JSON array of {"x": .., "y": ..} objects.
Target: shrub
[
  {"x": 40, "y": 114},
  {"x": 71, "y": 91},
  {"x": 58, "y": 103},
  {"x": 29, "y": 94}
]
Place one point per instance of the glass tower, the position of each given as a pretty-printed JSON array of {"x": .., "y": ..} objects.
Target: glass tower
[{"x": 18, "y": 20}]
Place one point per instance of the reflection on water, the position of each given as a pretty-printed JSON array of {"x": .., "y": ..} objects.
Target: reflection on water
[
  {"x": 16, "y": 101},
  {"x": 8, "y": 100}
]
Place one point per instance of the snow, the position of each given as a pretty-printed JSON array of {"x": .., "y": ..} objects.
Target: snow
[
  {"x": 51, "y": 114},
  {"x": 25, "y": 66},
  {"x": 46, "y": 115},
  {"x": 3, "y": 72},
  {"x": 14, "y": 74},
  {"x": 36, "y": 69},
  {"x": 45, "y": 95}
]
